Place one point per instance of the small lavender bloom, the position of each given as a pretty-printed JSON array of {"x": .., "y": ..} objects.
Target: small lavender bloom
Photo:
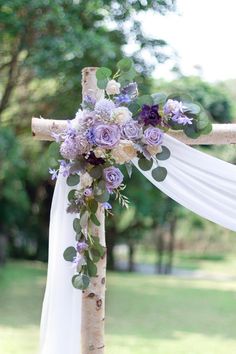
[
  {"x": 104, "y": 108},
  {"x": 90, "y": 136},
  {"x": 106, "y": 136},
  {"x": 122, "y": 99},
  {"x": 81, "y": 246},
  {"x": 78, "y": 261},
  {"x": 181, "y": 119},
  {"x": 70, "y": 131},
  {"x": 68, "y": 149},
  {"x": 131, "y": 130},
  {"x": 153, "y": 136},
  {"x": 88, "y": 192},
  {"x": 113, "y": 178},
  {"x": 88, "y": 102},
  {"x": 57, "y": 137},
  {"x": 107, "y": 206},
  {"x": 64, "y": 168},
  {"x": 150, "y": 115},
  {"x": 173, "y": 107},
  {"x": 54, "y": 173}
]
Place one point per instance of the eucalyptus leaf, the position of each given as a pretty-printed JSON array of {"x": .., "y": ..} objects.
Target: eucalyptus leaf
[
  {"x": 91, "y": 267},
  {"x": 125, "y": 64},
  {"x": 94, "y": 254},
  {"x": 102, "y": 198},
  {"x": 96, "y": 172},
  {"x": 93, "y": 205},
  {"x": 95, "y": 220},
  {"x": 102, "y": 84},
  {"x": 159, "y": 173},
  {"x": 159, "y": 98},
  {"x": 80, "y": 281},
  {"x": 181, "y": 97},
  {"x": 84, "y": 219},
  {"x": 73, "y": 180},
  {"x": 202, "y": 121},
  {"x": 71, "y": 195},
  {"x": 192, "y": 108},
  {"x": 76, "y": 225},
  {"x": 54, "y": 154},
  {"x": 69, "y": 254},
  {"x": 164, "y": 155},
  {"x": 103, "y": 73},
  {"x": 145, "y": 164},
  {"x": 191, "y": 131},
  {"x": 145, "y": 99},
  {"x": 207, "y": 129}
]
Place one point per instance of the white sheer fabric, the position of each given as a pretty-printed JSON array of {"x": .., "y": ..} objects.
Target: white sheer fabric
[
  {"x": 201, "y": 183},
  {"x": 61, "y": 314}
]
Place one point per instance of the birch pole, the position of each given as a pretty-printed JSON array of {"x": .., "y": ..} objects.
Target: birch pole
[{"x": 93, "y": 298}]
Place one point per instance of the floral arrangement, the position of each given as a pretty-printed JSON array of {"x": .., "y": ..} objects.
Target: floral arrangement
[{"x": 106, "y": 134}]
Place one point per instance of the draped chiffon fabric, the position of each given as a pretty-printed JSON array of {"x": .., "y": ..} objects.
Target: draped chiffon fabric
[{"x": 202, "y": 183}]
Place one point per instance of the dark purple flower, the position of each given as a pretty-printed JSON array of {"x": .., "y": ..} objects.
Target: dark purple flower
[
  {"x": 122, "y": 99},
  {"x": 150, "y": 115},
  {"x": 131, "y": 130},
  {"x": 81, "y": 246},
  {"x": 153, "y": 136},
  {"x": 106, "y": 135},
  {"x": 113, "y": 177},
  {"x": 93, "y": 160}
]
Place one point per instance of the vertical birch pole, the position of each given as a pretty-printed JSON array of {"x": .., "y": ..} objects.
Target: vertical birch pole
[{"x": 93, "y": 298}]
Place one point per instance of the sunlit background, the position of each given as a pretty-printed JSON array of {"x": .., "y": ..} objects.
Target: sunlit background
[{"x": 172, "y": 275}]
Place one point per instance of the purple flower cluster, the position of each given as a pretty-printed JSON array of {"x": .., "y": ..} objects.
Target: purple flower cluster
[{"x": 175, "y": 110}]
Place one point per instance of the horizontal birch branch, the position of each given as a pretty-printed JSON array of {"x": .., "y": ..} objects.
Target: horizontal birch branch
[{"x": 221, "y": 133}]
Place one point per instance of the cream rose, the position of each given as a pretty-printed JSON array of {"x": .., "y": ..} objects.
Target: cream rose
[
  {"x": 121, "y": 115},
  {"x": 99, "y": 152},
  {"x": 153, "y": 150},
  {"x": 85, "y": 180},
  {"x": 113, "y": 87},
  {"x": 124, "y": 152}
]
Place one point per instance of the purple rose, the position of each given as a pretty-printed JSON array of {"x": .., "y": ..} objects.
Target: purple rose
[
  {"x": 131, "y": 130},
  {"x": 106, "y": 136},
  {"x": 153, "y": 136},
  {"x": 113, "y": 177},
  {"x": 150, "y": 115}
]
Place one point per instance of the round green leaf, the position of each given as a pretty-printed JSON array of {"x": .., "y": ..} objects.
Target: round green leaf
[
  {"x": 80, "y": 281},
  {"x": 158, "y": 98},
  {"x": 159, "y": 173},
  {"x": 164, "y": 155},
  {"x": 192, "y": 108},
  {"x": 96, "y": 172},
  {"x": 94, "y": 220},
  {"x": 202, "y": 121},
  {"x": 71, "y": 195},
  {"x": 103, "y": 73},
  {"x": 92, "y": 268},
  {"x": 145, "y": 164},
  {"x": 76, "y": 225},
  {"x": 145, "y": 99},
  {"x": 102, "y": 84},
  {"x": 125, "y": 64},
  {"x": 73, "y": 180},
  {"x": 102, "y": 198},
  {"x": 69, "y": 254},
  {"x": 93, "y": 205},
  {"x": 191, "y": 131}
]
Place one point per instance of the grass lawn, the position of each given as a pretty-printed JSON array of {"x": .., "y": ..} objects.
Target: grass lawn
[{"x": 145, "y": 314}]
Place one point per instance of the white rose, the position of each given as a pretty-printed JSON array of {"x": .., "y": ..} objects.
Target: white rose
[
  {"x": 121, "y": 115},
  {"x": 124, "y": 152},
  {"x": 153, "y": 150},
  {"x": 99, "y": 152},
  {"x": 113, "y": 87},
  {"x": 85, "y": 180}
]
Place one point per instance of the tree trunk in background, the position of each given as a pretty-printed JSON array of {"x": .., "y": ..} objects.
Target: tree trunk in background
[
  {"x": 160, "y": 250},
  {"x": 131, "y": 256},
  {"x": 171, "y": 246},
  {"x": 3, "y": 249},
  {"x": 111, "y": 242}
]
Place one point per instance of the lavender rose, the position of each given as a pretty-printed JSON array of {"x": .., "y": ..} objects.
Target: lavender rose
[
  {"x": 153, "y": 136},
  {"x": 104, "y": 135},
  {"x": 131, "y": 130},
  {"x": 113, "y": 177}
]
